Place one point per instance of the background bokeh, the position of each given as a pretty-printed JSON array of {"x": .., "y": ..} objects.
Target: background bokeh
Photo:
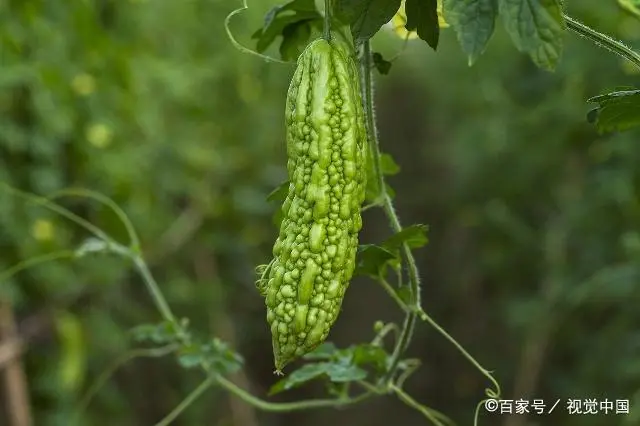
[{"x": 534, "y": 256}]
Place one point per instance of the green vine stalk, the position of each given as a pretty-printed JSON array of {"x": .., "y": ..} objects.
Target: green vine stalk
[{"x": 603, "y": 40}]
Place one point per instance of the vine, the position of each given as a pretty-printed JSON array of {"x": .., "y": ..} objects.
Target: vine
[{"x": 390, "y": 370}]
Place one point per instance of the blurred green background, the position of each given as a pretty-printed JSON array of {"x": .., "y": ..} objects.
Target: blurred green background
[{"x": 534, "y": 255}]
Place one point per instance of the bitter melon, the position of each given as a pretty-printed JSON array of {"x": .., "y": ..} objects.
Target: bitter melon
[{"x": 314, "y": 254}]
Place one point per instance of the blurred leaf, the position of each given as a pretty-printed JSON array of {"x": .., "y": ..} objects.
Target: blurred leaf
[
  {"x": 422, "y": 15},
  {"x": 405, "y": 294},
  {"x": 631, "y": 6},
  {"x": 281, "y": 17},
  {"x": 280, "y": 193},
  {"x": 73, "y": 350},
  {"x": 371, "y": 259},
  {"x": 415, "y": 236},
  {"x": 382, "y": 65},
  {"x": 156, "y": 333},
  {"x": 537, "y": 28},
  {"x": 294, "y": 39},
  {"x": 388, "y": 165},
  {"x": 618, "y": 111},
  {"x": 365, "y": 17},
  {"x": 215, "y": 354},
  {"x": 390, "y": 191},
  {"x": 90, "y": 246},
  {"x": 473, "y": 22}
]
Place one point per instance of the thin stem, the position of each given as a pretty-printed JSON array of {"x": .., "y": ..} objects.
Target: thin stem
[
  {"x": 429, "y": 413},
  {"x": 603, "y": 40},
  {"x": 154, "y": 290},
  {"x": 37, "y": 260},
  {"x": 187, "y": 402},
  {"x": 374, "y": 146},
  {"x": 327, "y": 20},
  {"x": 288, "y": 406},
  {"x": 393, "y": 294},
  {"x": 493, "y": 393},
  {"x": 106, "y": 374}
]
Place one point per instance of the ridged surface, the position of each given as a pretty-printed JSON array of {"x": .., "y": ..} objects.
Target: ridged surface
[{"x": 314, "y": 255}]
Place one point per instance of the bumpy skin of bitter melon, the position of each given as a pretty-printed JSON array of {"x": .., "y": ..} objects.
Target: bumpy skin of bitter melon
[{"x": 314, "y": 255}]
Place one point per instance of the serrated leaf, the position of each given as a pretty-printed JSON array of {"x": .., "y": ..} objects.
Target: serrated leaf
[
  {"x": 414, "y": 236},
  {"x": 617, "y": 111},
  {"x": 422, "y": 16},
  {"x": 474, "y": 23},
  {"x": 365, "y": 17},
  {"x": 537, "y": 28},
  {"x": 382, "y": 65},
  {"x": 280, "y": 193},
  {"x": 371, "y": 258},
  {"x": 294, "y": 39}
]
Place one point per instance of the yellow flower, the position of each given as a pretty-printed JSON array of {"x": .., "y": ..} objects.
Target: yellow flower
[
  {"x": 42, "y": 230},
  {"x": 399, "y": 21},
  {"x": 98, "y": 135},
  {"x": 83, "y": 84}
]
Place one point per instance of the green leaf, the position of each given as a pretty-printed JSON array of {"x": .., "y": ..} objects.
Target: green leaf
[
  {"x": 390, "y": 191},
  {"x": 474, "y": 23},
  {"x": 337, "y": 372},
  {"x": 216, "y": 354},
  {"x": 617, "y": 111},
  {"x": 405, "y": 294},
  {"x": 327, "y": 350},
  {"x": 278, "y": 21},
  {"x": 277, "y": 26},
  {"x": 371, "y": 259},
  {"x": 366, "y": 17},
  {"x": 537, "y": 28},
  {"x": 190, "y": 356},
  {"x": 414, "y": 236},
  {"x": 342, "y": 373},
  {"x": 280, "y": 193},
  {"x": 631, "y": 6},
  {"x": 294, "y": 39},
  {"x": 382, "y": 65},
  {"x": 368, "y": 354},
  {"x": 156, "y": 333},
  {"x": 388, "y": 165},
  {"x": 422, "y": 15}
]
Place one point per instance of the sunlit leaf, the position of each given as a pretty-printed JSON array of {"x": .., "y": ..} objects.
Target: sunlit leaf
[
  {"x": 536, "y": 27},
  {"x": 617, "y": 111}
]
